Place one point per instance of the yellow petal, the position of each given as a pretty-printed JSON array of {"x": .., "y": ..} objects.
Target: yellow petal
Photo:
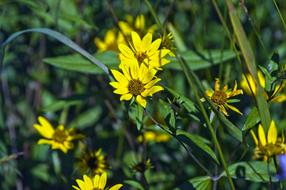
[
  {"x": 209, "y": 93},
  {"x": 44, "y": 131},
  {"x": 120, "y": 78},
  {"x": 125, "y": 50},
  {"x": 140, "y": 22},
  {"x": 146, "y": 42},
  {"x": 96, "y": 181},
  {"x": 233, "y": 109},
  {"x": 46, "y": 126},
  {"x": 80, "y": 184},
  {"x": 152, "y": 82},
  {"x": 261, "y": 135},
  {"x": 121, "y": 90},
  {"x": 272, "y": 133},
  {"x": 254, "y": 137},
  {"x": 88, "y": 182},
  {"x": 134, "y": 70},
  {"x": 152, "y": 90},
  {"x": 136, "y": 40},
  {"x": 115, "y": 84},
  {"x": 45, "y": 141},
  {"x": 126, "y": 97},
  {"x": 217, "y": 84},
  {"x": 102, "y": 181},
  {"x": 261, "y": 79},
  {"x": 279, "y": 99},
  {"x": 116, "y": 187},
  {"x": 75, "y": 187},
  {"x": 141, "y": 101},
  {"x": 153, "y": 48}
]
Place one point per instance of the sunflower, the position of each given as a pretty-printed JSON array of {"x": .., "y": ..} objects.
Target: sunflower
[
  {"x": 138, "y": 24},
  {"x": 98, "y": 182},
  {"x": 270, "y": 146},
  {"x": 248, "y": 85},
  {"x": 59, "y": 138},
  {"x": 222, "y": 97},
  {"x": 135, "y": 81},
  {"x": 93, "y": 162},
  {"x": 143, "y": 51},
  {"x": 110, "y": 41}
]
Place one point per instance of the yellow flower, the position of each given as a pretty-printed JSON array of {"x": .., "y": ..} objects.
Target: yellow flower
[
  {"x": 97, "y": 183},
  {"x": 137, "y": 25},
  {"x": 59, "y": 138},
  {"x": 270, "y": 146},
  {"x": 143, "y": 51},
  {"x": 111, "y": 39},
  {"x": 93, "y": 162},
  {"x": 153, "y": 136},
  {"x": 135, "y": 81},
  {"x": 221, "y": 97},
  {"x": 248, "y": 85}
]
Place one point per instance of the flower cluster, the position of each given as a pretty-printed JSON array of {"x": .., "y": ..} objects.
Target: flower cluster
[{"x": 139, "y": 64}]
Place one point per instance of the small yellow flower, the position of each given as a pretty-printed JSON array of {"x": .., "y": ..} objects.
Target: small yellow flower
[
  {"x": 222, "y": 97},
  {"x": 135, "y": 81},
  {"x": 153, "y": 136},
  {"x": 97, "y": 183},
  {"x": 137, "y": 25},
  {"x": 270, "y": 146},
  {"x": 248, "y": 85},
  {"x": 143, "y": 51},
  {"x": 59, "y": 138},
  {"x": 111, "y": 39},
  {"x": 92, "y": 162}
]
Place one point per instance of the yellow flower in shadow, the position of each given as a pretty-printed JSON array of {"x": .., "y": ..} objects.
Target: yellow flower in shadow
[
  {"x": 138, "y": 24},
  {"x": 93, "y": 162},
  {"x": 153, "y": 136},
  {"x": 143, "y": 51},
  {"x": 267, "y": 147},
  {"x": 59, "y": 138},
  {"x": 135, "y": 81},
  {"x": 98, "y": 182},
  {"x": 110, "y": 41},
  {"x": 248, "y": 85},
  {"x": 222, "y": 97}
]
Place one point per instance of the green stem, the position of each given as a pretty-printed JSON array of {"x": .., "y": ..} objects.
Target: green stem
[
  {"x": 158, "y": 22},
  {"x": 210, "y": 127},
  {"x": 280, "y": 15}
]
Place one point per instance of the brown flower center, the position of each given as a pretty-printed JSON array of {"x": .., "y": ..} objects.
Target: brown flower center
[
  {"x": 219, "y": 97},
  {"x": 140, "y": 56},
  {"x": 136, "y": 87},
  {"x": 60, "y": 136}
]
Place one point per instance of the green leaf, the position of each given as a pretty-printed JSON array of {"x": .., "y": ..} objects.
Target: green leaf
[
  {"x": 201, "y": 183},
  {"x": 86, "y": 118},
  {"x": 184, "y": 101},
  {"x": 255, "y": 171},
  {"x": 64, "y": 103},
  {"x": 203, "y": 59},
  {"x": 251, "y": 120},
  {"x": 136, "y": 113},
  {"x": 201, "y": 142},
  {"x": 78, "y": 63},
  {"x": 61, "y": 38},
  {"x": 134, "y": 184}
]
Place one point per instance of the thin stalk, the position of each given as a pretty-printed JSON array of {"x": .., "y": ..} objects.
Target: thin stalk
[
  {"x": 182, "y": 144},
  {"x": 209, "y": 125},
  {"x": 158, "y": 22},
  {"x": 280, "y": 15}
]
